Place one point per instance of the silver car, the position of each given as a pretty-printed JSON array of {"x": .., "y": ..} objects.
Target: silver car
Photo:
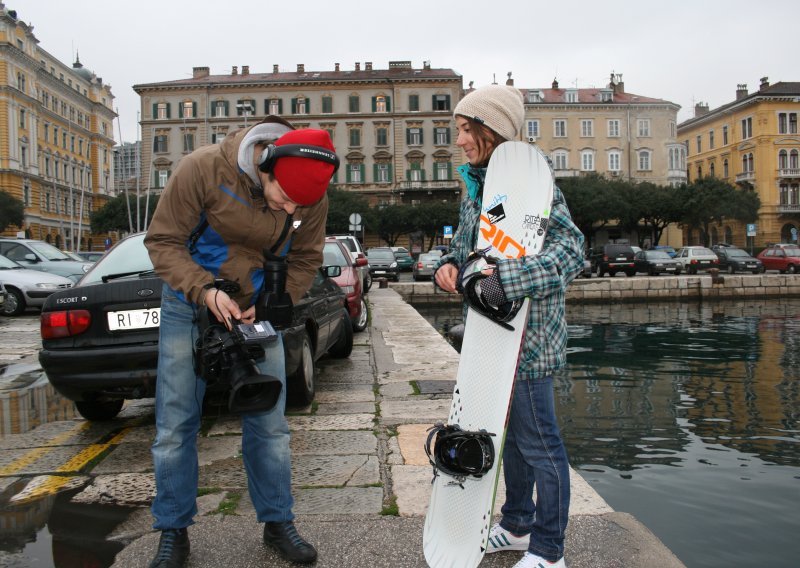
[
  {"x": 39, "y": 255},
  {"x": 423, "y": 267},
  {"x": 26, "y": 288}
]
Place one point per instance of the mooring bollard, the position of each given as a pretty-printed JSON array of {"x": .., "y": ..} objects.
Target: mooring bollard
[{"x": 383, "y": 283}]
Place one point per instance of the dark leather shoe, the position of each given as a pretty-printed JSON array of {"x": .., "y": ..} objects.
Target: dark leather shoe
[
  {"x": 284, "y": 538},
  {"x": 173, "y": 549}
]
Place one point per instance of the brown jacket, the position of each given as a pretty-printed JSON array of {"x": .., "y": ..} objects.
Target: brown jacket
[{"x": 240, "y": 227}]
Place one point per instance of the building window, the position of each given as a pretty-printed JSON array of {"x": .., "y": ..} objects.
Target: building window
[
  {"x": 380, "y": 104},
  {"x": 747, "y": 163},
  {"x": 712, "y": 170},
  {"x": 441, "y": 102},
  {"x": 162, "y": 111},
  {"x": 614, "y": 161},
  {"x": 188, "y": 109},
  {"x": 217, "y": 137},
  {"x": 613, "y": 128},
  {"x": 724, "y": 135},
  {"x": 382, "y": 136},
  {"x": 699, "y": 141},
  {"x": 414, "y": 136},
  {"x": 710, "y": 139},
  {"x": 354, "y": 173},
  {"x": 245, "y": 107},
  {"x": 787, "y": 123},
  {"x": 188, "y": 141},
  {"x": 416, "y": 173},
  {"x": 413, "y": 103},
  {"x": 355, "y": 137},
  {"x": 747, "y": 128},
  {"x": 587, "y": 160},
  {"x": 725, "y": 172},
  {"x": 643, "y": 127},
  {"x": 560, "y": 128},
  {"x": 23, "y": 151},
  {"x": 534, "y": 97},
  {"x": 560, "y": 160},
  {"x": 441, "y": 135},
  {"x": 587, "y": 127},
  {"x": 327, "y": 104},
  {"x": 160, "y": 143},
  {"x": 644, "y": 160},
  {"x": 220, "y": 109},
  {"x": 274, "y": 106},
  {"x": 572, "y": 96},
  {"x": 533, "y": 129},
  {"x": 22, "y": 118},
  {"x": 161, "y": 180},
  {"x": 353, "y": 103},
  {"x": 300, "y": 105},
  {"x": 442, "y": 171},
  {"x": 47, "y": 133},
  {"x": 382, "y": 173}
]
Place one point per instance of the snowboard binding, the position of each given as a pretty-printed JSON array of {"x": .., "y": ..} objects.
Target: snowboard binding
[
  {"x": 459, "y": 453},
  {"x": 468, "y": 282}
]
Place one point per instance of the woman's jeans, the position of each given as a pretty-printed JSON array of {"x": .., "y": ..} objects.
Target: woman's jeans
[
  {"x": 534, "y": 455},
  {"x": 179, "y": 402}
]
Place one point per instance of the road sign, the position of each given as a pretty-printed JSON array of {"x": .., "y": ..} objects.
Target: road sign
[
  {"x": 448, "y": 231},
  {"x": 355, "y": 219},
  {"x": 751, "y": 229}
]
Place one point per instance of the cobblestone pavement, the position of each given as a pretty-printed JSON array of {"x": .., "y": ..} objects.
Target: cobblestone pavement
[{"x": 360, "y": 478}]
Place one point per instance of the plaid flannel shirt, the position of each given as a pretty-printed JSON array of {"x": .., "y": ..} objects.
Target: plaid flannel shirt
[{"x": 543, "y": 277}]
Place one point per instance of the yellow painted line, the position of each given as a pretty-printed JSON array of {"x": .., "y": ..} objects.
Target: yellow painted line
[{"x": 27, "y": 459}]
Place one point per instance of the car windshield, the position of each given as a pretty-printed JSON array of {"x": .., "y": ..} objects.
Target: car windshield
[
  {"x": 8, "y": 264},
  {"x": 657, "y": 255},
  {"x": 792, "y": 251},
  {"x": 702, "y": 251},
  {"x": 49, "y": 251},
  {"x": 428, "y": 257},
  {"x": 333, "y": 255},
  {"x": 128, "y": 256},
  {"x": 380, "y": 254},
  {"x": 735, "y": 252}
]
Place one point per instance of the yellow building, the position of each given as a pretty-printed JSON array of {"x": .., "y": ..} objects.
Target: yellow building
[
  {"x": 752, "y": 141},
  {"x": 56, "y": 125}
]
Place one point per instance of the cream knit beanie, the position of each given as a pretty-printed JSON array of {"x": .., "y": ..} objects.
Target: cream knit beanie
[{"x": 497, "y": 106}]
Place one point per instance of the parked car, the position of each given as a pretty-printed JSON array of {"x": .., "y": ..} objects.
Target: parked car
[
  {"x": 39, "y": 255},
  {"x": 734, "y": 260},
  {"x": 587, "y": 269},
  {"x": 382, "y": 263},
  {"x": 612, "y": 258},
  {"x": 25, "y": 287},
  {"x": 784, "y": 257},
  {"x": 404, "y": 259},
  {"x": 336, "y": 254},
  {"x": 423, "y": 267},
  {"x": 654, "y": 262},
  {"x": 354, "y": 246},
  {"x": 91, "y": 256},
  {"x": 97, "y": 351},
  {"x": 695, "y": 258},
  {"x": 667, "y": 249},
  {"x": 3, "y": 295}
]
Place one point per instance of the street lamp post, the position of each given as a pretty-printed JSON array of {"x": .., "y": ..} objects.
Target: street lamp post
[{"x": 246, "y": 109}]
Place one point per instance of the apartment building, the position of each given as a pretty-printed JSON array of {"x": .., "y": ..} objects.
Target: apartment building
[
  {"x": 606, "y": 131},
  {"x": 56, "y": 124},
  {"x": 392, "y": 128},
  {"x": 753, "y": 142}
]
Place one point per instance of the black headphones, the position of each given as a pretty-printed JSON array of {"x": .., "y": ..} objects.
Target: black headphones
[{"x": 271, "y": 154}]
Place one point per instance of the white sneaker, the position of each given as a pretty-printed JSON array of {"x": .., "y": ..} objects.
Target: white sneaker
[
  {"x": 534, "y": 561},
  {"x": 500, "y": 539}
]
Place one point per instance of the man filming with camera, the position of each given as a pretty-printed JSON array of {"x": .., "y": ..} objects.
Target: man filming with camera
[{"x": 232, "y": 217}]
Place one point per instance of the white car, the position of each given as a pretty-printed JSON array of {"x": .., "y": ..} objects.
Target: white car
[
  {"x": 693, "y": 259},
  {"x": 26, "y": 287}
]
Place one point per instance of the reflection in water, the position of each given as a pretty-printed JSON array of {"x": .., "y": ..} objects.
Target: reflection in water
[
  {"x": 686, "y": 416},
  {"x": 27, "y": 400}
]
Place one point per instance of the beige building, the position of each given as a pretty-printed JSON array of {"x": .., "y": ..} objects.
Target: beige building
[
  {"x": 56, "y": 138},
  {"x": 392, "y": 128},
  {"x": 752, "y": 141}
]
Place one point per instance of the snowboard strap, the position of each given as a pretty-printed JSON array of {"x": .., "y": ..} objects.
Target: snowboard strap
[
  {"x": 459, "y": 453},
  {"x": 469, "y": 280}
]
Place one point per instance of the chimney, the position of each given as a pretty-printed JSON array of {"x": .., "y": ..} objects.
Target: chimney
[
  {"x": 555, "y": 83},
  {"x": 275, "y": 68},
  {"x": 700, "y": 109},
  {"x": 245, "y": 69},
  {"x": 426, "y": 64},
  {"x": 235, "y": 70},
  {"x": 368, "y": 66},
  {"x": 301, "y": 68},
  {"x": 358, "y": 66},
  {"x": 764, "y": 83},
  {"x": 741, "y": 91},
  {"x": 200, "y": 72},
  {"x": 510, "y": 81},
  {"x": 337, "y": 67}
]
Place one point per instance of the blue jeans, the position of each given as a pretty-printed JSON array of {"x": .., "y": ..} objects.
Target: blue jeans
[
  {"x": 179, "y": 402},
  {"x": 534, "y": 455}
]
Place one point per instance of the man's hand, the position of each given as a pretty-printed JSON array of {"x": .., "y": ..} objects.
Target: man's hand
[
  {"x": 224, "y": 308},
  {"x": 446, "y": 276}
]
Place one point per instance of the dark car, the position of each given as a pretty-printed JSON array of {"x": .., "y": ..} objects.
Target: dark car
[
  {"x": 39, "y": 255},
  {"x": 734, "y": 260},
  {"x": 667, "y": 249},
  {"x": 782, "y": 257},
  {"x": 382, "y": 263},
  {"x": 655, "y": 262},
  {"x": 613, "y": 258},
  {"x": 336, "y": 254},
  {"x": 404, "y": 259},
  {"x": 100, "y": 339}
]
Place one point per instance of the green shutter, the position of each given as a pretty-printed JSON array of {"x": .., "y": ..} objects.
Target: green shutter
[
  {"x": 447, "y": 101},
  {"x": 361, "y": 167},
  {"x": 374, "y": 173},
  {"x": 408, "y": 136},
  {"x": 391, "y": 175},
  {"x": 449, "y": 170},
  {"x": 194, "y": 109},
  {"x": 447, "y": 136},
  {"x": 294, "y": 105},
  {"x": 422, "y": 136},
  {"x": 348, "y": 173},
  {"x": 169, "y": 107},
  {"x": 433, "y": 102},
  {"x": 374, "y": 104},
  {"x": 266, "y": 107},
  {"x": 423, "y": 174},
  {"x": 408, "y": 174},
  {"x": 280, "y": 106},
  {"x": 155, "y": 111}
]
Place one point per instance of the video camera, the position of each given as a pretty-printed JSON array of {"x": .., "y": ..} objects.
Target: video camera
[{"x": 229, "y": 356}]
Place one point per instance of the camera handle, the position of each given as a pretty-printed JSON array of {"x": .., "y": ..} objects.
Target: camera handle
[{"x": 274, "y": 304}]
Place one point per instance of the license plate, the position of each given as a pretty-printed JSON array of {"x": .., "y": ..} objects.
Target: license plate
[
  {"x": 134, "y": 319},
  {"x": 622, "y": 258},
  {"x": 670, "y": 269},
  {"x": 380, "y": 272}
]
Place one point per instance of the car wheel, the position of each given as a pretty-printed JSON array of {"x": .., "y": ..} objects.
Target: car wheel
[
  {"x": 361, "y": 323},
  {"x": 344, "y": 345},
  {"x": 630, "y": 273},
  {"x": 15, "y": 302},
  {"x": 692, "y": 270},
  {"x": 367, "y": 283},
  {"x": 791, "y": 269},
  {"x": 612, "y": 273},
  {"x": 731, "y": 269},
  {"x": 300, "y": 386},
  {"x": 99, "y": 411},
  {"x": 653, "y": 272},
  {"x": 599, "y": 271}
]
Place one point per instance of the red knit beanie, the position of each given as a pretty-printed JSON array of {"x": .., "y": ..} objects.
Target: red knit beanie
[{"x": 304, "y": 180}]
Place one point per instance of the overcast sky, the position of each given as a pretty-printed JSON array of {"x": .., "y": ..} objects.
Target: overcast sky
[{"x": 684, "y": 51}]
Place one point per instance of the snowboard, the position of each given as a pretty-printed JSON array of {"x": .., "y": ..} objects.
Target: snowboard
[{"x": 517, "y": 197}]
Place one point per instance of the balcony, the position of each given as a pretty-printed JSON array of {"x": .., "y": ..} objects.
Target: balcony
[
  {"x": 427, "y": 185},
  {"x": 791, "y": 173},
  {"x": 746, "y": 176},
  {"x": 788, "y": 208}
]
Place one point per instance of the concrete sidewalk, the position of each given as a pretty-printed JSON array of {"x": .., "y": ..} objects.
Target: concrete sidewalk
[{"x": 372, "y": 514}]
